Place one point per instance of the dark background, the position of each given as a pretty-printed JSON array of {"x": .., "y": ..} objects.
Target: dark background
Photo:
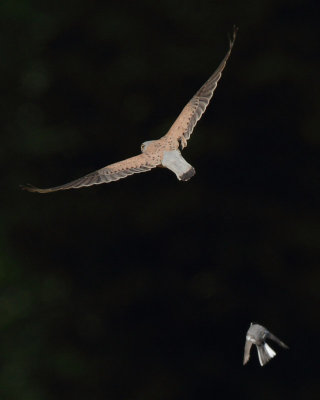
[{"x": 143, "y": 289}]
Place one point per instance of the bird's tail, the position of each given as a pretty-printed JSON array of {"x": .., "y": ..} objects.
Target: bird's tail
[
  {"x": 265, "y": 353},
  {"x": 174, "y": 161}
]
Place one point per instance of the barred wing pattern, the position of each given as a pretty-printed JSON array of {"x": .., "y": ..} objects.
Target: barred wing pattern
[
  {"x": 112, "y": 172},
  {"x": 192, "y": 112}
]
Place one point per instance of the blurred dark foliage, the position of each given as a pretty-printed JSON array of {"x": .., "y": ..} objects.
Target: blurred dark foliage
[{"x": 144, "y": 288}]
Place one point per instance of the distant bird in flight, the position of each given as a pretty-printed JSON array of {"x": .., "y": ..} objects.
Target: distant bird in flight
[
  {"x": 164, "y": 152},
  {"x": 258, "y": 334}
]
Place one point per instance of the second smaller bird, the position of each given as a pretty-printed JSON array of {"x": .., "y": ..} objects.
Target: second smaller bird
[{"x": 258, "y": 334}]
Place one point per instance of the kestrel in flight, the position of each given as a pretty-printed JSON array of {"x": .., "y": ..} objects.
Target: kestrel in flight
[{"x": 164, "y": 152}]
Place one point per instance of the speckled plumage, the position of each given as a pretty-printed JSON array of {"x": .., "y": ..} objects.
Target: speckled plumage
[{"x": 155, "y": 152}]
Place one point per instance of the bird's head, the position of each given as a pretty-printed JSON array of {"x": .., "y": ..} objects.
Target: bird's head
[{"x": 145, "y": 145}]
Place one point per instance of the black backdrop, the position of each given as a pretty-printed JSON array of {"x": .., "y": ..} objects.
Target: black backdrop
[{"x": 144, "y": 288}]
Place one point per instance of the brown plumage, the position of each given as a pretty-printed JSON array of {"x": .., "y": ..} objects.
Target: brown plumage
[{"x": 163, "y": 152}]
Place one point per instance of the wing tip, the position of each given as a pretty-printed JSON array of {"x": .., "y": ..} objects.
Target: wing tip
[
  {"x": 234, "y": 35},
  {"x": 33, "y": 189}
]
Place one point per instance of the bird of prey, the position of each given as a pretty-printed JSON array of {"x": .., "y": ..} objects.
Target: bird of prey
[
  {"x": 164, "y": 152},
  {"x": 258, "y": 334}
]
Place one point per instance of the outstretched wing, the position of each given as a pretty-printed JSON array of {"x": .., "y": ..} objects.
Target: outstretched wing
[
  {"x": 277, "y": 340},
  {"x": 183, "y": 126},
  {"x": 112, "y": 172},
  {"x": 247, "y": 349}
]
